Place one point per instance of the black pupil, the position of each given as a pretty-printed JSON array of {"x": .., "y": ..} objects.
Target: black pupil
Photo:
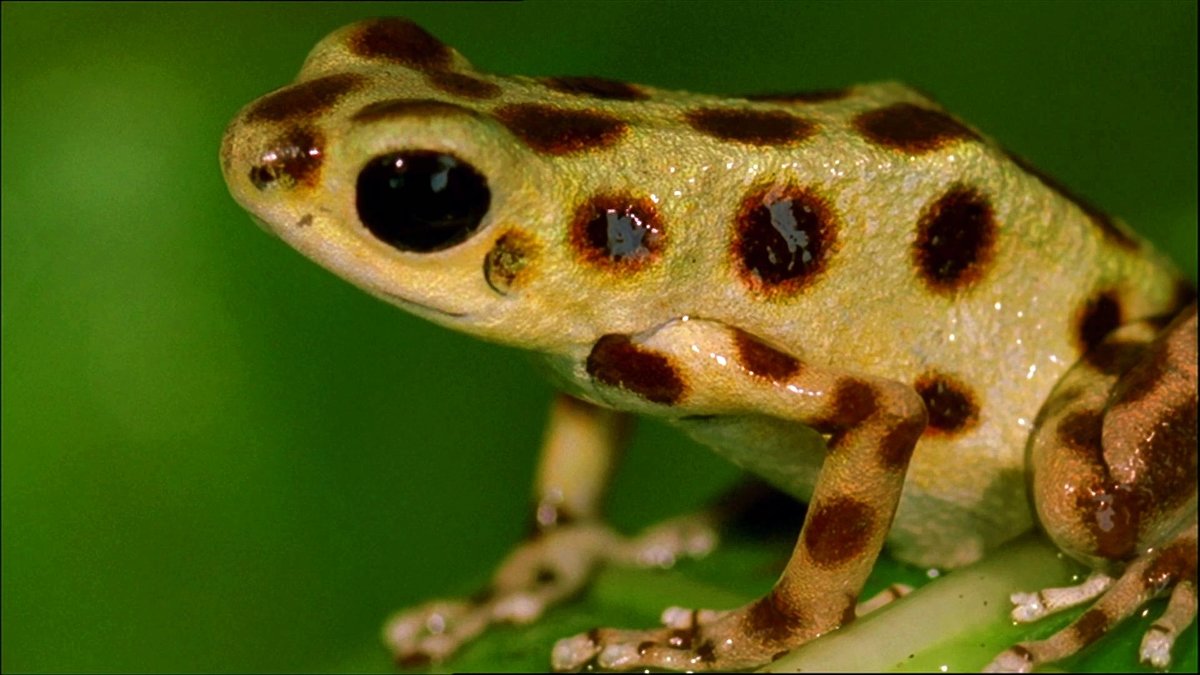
[{"x": 421, "y": 201}]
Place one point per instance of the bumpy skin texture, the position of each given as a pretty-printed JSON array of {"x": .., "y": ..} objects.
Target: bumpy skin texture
[{"x": 844, "y": 292}]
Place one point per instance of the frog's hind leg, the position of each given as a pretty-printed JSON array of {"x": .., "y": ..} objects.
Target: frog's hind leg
[{"x": 1113, "y": 460}]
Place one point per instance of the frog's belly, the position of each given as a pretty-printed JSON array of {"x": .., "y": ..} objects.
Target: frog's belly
[{"x": 962, "y": 497}]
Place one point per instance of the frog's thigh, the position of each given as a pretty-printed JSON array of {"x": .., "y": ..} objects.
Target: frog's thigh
[
  {"x": 705, "y": 368},
  {"x": 1113, "y": 453},
  {"x": 1114, "y": 480}
]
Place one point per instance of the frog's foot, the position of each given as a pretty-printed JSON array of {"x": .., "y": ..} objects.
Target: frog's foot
[
  {"x": 1173, "y": 565},
  {"x": 690, "y": 639},
  {"x": 552, "y": 567}
]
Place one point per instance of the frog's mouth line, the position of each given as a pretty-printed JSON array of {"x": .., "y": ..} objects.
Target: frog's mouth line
[{"x": 414, "y": 303}]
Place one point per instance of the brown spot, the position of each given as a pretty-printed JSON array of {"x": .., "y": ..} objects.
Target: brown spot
[
  {"x": 294, "y": 159},
  {"x": 1110, "y": 511},
  {"x": 681, "y": 638},
  {"x": 754, "y": 127},
  {"x": 399, "y": 41},
  {"x": 772, "y": 618},
  {"x": 463, "y": 86},
  {"x": 706, "y": 652},
  {"x": 556, "y": 131},
  {"x": 304, "y": 100},
  {"x": 1174, "y": 563},
  {"x": 848, "y": 610},
  {"x": 1168, "y": 456},
  {"x": 507, "y": 264},
  {"x": 482, "y": 596},
  {"x": 779, "y": 655},
  {"x": 644, "y": 647},
  {"x": 409, "y": 107},
  {"x": 617, "y": 362},
  {"x": 546, "y": 575},
  {"x": 1021, "y": 653},
  {"x": 1098, "y": 317},
  {"x": 852, "y": 402},
  {"x": 911, "y": 128},
  {"x": 762, "y": 359},
  {"x": 814, "y": 96},
  {"x": 784, "y": 238},
  {"x": 838, "y": 531},
  {"x": 897, "y": 445},
  {"x": 1157, "y": 361},
  {"x": 950, "y": 403},
  {"x": 617, "y": 232},
  {"x": 956, "y": 238},
  {"x": 1115, "y": 357},
  {"x": 1080, "y": 431},
  {"x": 1107, "y": 226},
  {"x": 305, "y": 220},
  {"x": 596, "y": 87},
  {"x": 594, "y": 635},
  {"x": 414, "y": 660},
  {"x": 1090, "y": 627}
]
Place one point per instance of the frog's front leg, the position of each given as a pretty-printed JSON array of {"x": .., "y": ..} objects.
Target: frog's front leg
[
  {"x": 1113, "y": 457},
  {"x": 567, "y": 545},
  {"x": 694, "y": 367}
]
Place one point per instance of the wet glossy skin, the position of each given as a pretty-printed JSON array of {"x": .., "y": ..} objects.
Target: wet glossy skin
[{"x": 810, "y": 285}]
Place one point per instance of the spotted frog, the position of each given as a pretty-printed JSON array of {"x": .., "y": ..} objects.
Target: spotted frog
[{"x": 851, "y": 294}]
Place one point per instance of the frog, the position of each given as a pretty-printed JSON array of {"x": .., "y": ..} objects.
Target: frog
[{"x": 850, "y": 294}]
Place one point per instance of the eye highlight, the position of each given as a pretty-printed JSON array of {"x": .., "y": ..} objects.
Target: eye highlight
[{"x": 421, "y": 201}]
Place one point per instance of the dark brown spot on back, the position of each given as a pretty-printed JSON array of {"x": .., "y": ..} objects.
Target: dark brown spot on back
[
  {"x": 814, "y": 96},
  {"x": 784, "y": 238},
  {"x": 911, "y": 128},
  {"x": 409, "y": 107},
  {"x": 304, "y": 100},
  {"x": 617, "y": 362},
  {"x": 293, "y": 159},
  {"x": 1098, "y": 317},
  {"x": 706, "y": 652},
  {"x": 838, "y": 531},
  {"x": 596, "y": 87},
  {"x": 951, "y": 405},
  {"x": 546, "y": 575},
  {"x": 557, "y": 131},
  {"x": 400, "y": 41},
  {"x": 463, "y": 86},
  {"x": 644, "y": 647},
  {"x": 1107, "y": 226},
  {"x": 772, "y": 618},
  {"x": 762, "y": 359},
  {"x": 956, "y": 238},
  {"x": 506, "y": 265},
  {"x": 617, "y": 232},
  {"x": 1090, "y": 626},
  {"x": 754, "y": 127}
]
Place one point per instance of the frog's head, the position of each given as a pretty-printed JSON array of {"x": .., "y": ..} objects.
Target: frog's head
[{"x": 442, "y": 190}]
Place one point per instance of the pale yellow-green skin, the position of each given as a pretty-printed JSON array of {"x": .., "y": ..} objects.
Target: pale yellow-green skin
[{"x": 1009, "y": 337}]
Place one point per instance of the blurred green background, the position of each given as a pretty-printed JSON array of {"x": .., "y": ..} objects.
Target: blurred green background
[{"x": 219, "y": 457}]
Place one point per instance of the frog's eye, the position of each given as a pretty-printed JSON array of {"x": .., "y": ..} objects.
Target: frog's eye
[{"x": 421, "y": 201}]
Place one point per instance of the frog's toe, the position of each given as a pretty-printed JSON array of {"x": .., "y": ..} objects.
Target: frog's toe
[
  {"x": 406, "y": 629},
  {"x": 1160, "y": 636},
  {"x": 576, "y": 651}
]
